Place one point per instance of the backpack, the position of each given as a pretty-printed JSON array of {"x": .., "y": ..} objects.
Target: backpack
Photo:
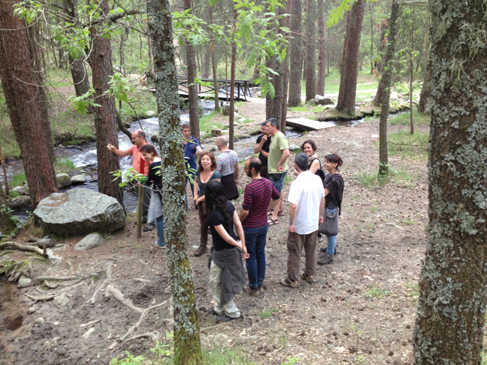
[{"x": 320, "y": 172}]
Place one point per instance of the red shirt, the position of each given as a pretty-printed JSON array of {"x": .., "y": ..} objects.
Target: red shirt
[
  {"x": 138, "y": 162},
  {"x": 257, "y": 197}
]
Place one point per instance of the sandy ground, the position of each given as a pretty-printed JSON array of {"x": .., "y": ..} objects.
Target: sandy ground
[{"x": 360, "y": 310}]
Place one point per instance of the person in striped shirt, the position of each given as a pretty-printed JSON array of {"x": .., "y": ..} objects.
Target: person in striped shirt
[{"x": 257, "y": 197}]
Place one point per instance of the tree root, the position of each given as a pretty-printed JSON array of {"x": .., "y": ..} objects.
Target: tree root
[
  {"x": 107, "y": 279},
  {"x": 23, "y": 247},
  {"x": 41, "y": 242},
  {"x": 155, "y": 335},
  {"x": 117, "y": 294},
  {"x": 41, "y": 299}
]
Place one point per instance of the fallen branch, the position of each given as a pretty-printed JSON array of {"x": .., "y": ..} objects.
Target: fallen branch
[
  {"x": 60, "y": 278},
  {"x": 41, "y": 242},
  {"x": 22, "y": 247}
]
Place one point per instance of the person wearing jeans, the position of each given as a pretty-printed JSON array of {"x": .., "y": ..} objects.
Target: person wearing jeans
[{"x": 257, "y": 198}]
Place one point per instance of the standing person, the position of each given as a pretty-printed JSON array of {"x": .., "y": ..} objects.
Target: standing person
[
  {"x": 262, "y": 148},
  {"x": 206, "y": 172},
  {"x": 334, "y": 186},
  {"x": 306, "y": 196},
  {"x": 154, "y": 182},
  {"x": 192, "y": 148},
  {"x": 138, "y": 164},
  {"x": 227, "y": 165},
  {"x": 258, "y": 195},
  {"x": 277, "y": 160},
  {"x": 227, "y": 276},
  {"x": 309, "y": 147}
]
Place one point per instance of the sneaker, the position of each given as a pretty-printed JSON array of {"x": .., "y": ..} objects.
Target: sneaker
[
  {"x": 224, "y": 318},
  {"x": 155, "y": 244},
  {"x": 212, "y": 311},
  {"x": 325, "y": 260},
  {"x": 261, "y": 288},
  {"x": 323, "y": 249},
  {"x": 254, "y": 292},
  {"x": 289, "y": 283},
  {"x": 308, "y": 278}
]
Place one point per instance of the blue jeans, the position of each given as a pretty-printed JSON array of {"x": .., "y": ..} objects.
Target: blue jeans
[
  {"x": 332, "y": 240},
  {"x": 160, "y": 231},
  {"x": 191, "y": 185},
  {"x": 278, "y": 183},
  {"x": 255, "y": 240}
]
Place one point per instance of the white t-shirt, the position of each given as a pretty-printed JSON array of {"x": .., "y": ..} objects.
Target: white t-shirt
[{"x": 306, "y": 192}]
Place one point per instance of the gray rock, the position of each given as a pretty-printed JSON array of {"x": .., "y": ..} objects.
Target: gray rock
[
  {"x": 226, "y": 109},
  {"x": 321, "y": 100},
  {"x": 79, "y": 211},
  {"x": 61, "y": 300},
  {"x": 216, "y": 132},
  {"x": 154, "y": 138},
  {"x": 78, "y": 179},
  {"x": 63, "y": 180},
  {"x": 151, "y": 113},
  {"x": 91, "y": 241},
  {"x": 19, "y": 202},
  {"x": 24, "y": 281},
  {"x": 21, "y": 190},
  {"x": 39, "y": 321},
  {"x": 31, "y": 310},
  {"x": 293, "y": 147},
  {"x": 55, "y": 324}
]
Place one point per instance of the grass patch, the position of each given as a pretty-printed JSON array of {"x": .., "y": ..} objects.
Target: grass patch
[
  {"x": 376, "y": 291},
  {"x": 18, "y": 179},
  {"x": 400, "y": 176},
  {"x": 418, "y": 119},
  {"x": 266, "y": 313},
  {"x": 308, "y": 108},
  {"x": 64, "y": 165},
  {"x": 408, "y": 145}
]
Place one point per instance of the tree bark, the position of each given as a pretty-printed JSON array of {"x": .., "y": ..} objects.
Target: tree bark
[
  {"x": 285, "y": 71},
  {"x": 295, "y": 54},
  {"x": 346, "y": 95},
  {"x": 425, "y": 96},
  {"x": 187, "y": 347},
  {"x": 451, "y": 308},
  {"x": 205, "y": 72},
  {"x": 194, "y": 112},
  {"x": 320, "y": 84},
  {"x": 25, "y": 98},
  {"x": 384, "y": 26},
  {"x": 232, "y": 80},
  {"x": 310, "y": 57},
  {"x": 105, "y": 113},
  {"x": 213, "y": 59},
  {"x": 386, "y": 91}
]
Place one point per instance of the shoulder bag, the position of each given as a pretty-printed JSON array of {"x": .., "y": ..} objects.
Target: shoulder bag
[{"x": 329, "y": 227}]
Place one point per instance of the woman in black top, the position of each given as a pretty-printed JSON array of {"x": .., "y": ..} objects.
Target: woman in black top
[
  {"x": 227, "y": 276},
  {"x": 334, "y": 186},
  {"x": 154, "y": 180}
]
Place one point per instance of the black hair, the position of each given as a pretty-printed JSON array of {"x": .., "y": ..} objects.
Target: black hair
[
  {"x": 149, "y": 149},
  {"x": 334, "y": 158},
  {"x": 256, "y": 164},
  {"x": 311, "y": 143},
  {"x": 302, "y": 160},
  {"x": 263, "y": 123},
  {"x": 274, "y": 122},
  {"x": 215, "y": 199}
]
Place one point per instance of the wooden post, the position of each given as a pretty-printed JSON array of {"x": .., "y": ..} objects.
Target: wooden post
[{"x": 140, "y": 196}]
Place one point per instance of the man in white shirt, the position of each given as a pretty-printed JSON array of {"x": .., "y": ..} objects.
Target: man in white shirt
[{"x": 307, "y": 198}]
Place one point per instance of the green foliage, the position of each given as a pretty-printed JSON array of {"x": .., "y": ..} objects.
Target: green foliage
[
  {"x": 81, "y": 103},
  {"x": 408, "y": 145},
  {"x": 119, "y": 87},
  {"x": 400, "y": 176},
  {"x": 18, "y": 179},
  {"x": 64, "y": 164},
  {"x": 266, "y": 313},
  {"x": 28, "y": 10},
  {"x": 376, "y": 291},
  {"x": 418, "y": 117},
  {"x": 337, "y": 13}
]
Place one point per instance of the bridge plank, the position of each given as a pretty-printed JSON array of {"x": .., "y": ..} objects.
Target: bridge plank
[{"x": 308, "y": 124}]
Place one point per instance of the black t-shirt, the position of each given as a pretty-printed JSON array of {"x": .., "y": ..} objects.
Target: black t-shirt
[
  {"x": 155, "y": 175},
  {"x": 334, "y": 184},
  {"x": 217, "y": 218},
  {"x": 265, "y": 148}
]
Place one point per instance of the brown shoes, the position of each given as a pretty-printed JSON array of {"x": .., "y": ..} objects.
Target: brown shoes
[{"x": 201, "y": 250}]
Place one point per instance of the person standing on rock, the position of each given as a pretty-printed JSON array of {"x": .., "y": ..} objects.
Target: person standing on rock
[
  {"x": 257, "y": 197},
  {"x": 277, "y": 160},
  {"x": 206, "y": 172},
  {"x": 262, "y": 148},
  {"x": 227, "y": 165},
  {"x": 138, "y": 164},
  {"x": 307, "y": 198},
  {"x": 192, "y": 148}
]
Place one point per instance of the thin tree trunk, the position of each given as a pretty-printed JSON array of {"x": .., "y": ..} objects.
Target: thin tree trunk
[
  {"x": 320, "y": 84},
  {"x": 106, "y": 112},
  {"x": 411, "y": 70},
  {"x": 426, "y": 89},
  {"x": 285, "y": 72},
  {"x": 371, "y": 38},
  {"x": 452, "y": 301},
  {"x": 187, "y": 346},
  {"x": 205, "y": 72},
  {"x": 386, "y": 91},
  {"x": 232, "y": 80},
  {"x": 384, "y": 26},
  {"x": 310, "y": 57},
  {"x": 24, "y": 95},
  {"x": 6, "y": 222},
  {"x": 347, "y": 94},
  {"x": 295, "y": 54},
  {"x": 194, "y": 112},
  {"x": 256, "y": 74}
]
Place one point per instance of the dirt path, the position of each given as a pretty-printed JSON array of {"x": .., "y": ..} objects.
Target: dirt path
[{"x": 360, "y": 310}]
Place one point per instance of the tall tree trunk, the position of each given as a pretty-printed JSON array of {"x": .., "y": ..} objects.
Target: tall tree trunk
[
  {"x": 425, "y": 96},
  {"x": 24, "y": 95},
  {"x": 285, "y": 71},
  {"x": 6, "y": 222},
  {"x": 278, "y": 80},
  {"x": 232, "y": 79},
  {"x": 205, "y": 72},
  {"x": 105, "y": 112},
  {"x": 320, "y": 84},
  {"x": 213, "y": 60},
  {"x": 411, "y": 74},
  {"x": 194, "y": 105},
  {"x": 386, "y": 91},
  {"x": 187, "y": 346},
  {"x": 451, "y": 308},
  {"x": 371, "y": 38},
  {"x": 295, "y": 54},
  {"x": 310, "y": 57},
  {"x": 256, "y": 74},
  {"x": 346, "y": 95},
  {"x": 384, "y": 26}
]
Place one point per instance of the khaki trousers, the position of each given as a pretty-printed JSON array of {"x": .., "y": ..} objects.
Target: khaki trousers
[
  {"x": 295, "y": 244},
  {"x": 230, "y": 309}
]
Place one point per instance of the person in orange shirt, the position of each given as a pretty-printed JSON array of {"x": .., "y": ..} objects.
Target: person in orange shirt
[{"x": 138, "y": 163}]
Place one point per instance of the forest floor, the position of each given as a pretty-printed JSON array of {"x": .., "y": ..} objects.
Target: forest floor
[{"x": 360, "y": 310}]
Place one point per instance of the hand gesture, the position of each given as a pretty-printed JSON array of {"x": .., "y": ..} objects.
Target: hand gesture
[{"x": 292, "y": 228}]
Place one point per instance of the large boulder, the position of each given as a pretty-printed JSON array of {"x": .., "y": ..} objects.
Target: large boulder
[
  {"x": 321, "y": 100},
  {"x": 79, "y": 211},
  {"x": 91, "y": 241}
]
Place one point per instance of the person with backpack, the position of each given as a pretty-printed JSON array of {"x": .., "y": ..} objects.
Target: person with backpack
[
  {"x": 334, "y": 186},
  {"x": 309, "y": 147}
]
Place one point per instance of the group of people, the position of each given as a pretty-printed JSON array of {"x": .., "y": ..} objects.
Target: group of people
[{"x": 236, "y": 235}]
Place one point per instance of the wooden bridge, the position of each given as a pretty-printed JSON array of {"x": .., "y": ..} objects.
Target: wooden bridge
[{"x": 207, "y": 90}]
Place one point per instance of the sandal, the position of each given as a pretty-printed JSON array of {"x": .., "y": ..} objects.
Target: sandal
[
  {"x": 272, "y": 222},
  {"x": 281, "y": 213}
]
